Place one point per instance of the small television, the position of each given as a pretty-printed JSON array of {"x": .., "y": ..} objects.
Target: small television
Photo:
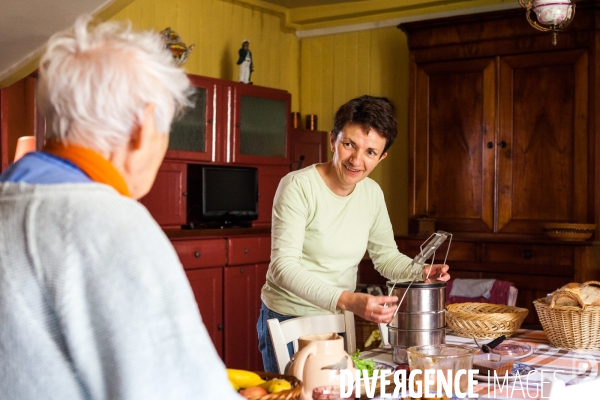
[{"x": 221, "y": 196}]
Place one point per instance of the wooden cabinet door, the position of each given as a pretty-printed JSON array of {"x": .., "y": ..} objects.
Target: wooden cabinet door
[
  {"x": 241, "y": 316},
  {"x": 268, "y": 181},
  {"x": 243, "y": 285},
  {"x": 207, "y": 285},
  {"x": 166, "y": 201},
  {"x": 19, "y": 117},
  {"x": 542, "y": 145},
  {"x": 308, "y": 147},
  {"x": 194, "y": 135},
  {"x": 453, "y": 123},
  {"x": 261, "y": 121}
]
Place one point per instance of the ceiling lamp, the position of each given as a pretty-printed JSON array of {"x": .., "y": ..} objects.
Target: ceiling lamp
[{"x": 554, "y": 14}]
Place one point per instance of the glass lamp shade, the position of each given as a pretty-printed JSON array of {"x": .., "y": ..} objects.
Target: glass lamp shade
[
  {"x": 552, "y": 12},
  {"x": 25, "y": 144}
]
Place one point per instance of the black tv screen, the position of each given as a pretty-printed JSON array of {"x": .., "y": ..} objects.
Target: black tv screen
[{"x": 222, "y": 194}]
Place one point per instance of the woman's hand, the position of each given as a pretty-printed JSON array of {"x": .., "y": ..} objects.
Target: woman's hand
[
  {"x": 376, "y": 309},
  {"x": 436, "y": 272}
]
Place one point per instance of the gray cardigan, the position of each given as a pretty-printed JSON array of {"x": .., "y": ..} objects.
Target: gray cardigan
[{"x": 94, "y": 303}]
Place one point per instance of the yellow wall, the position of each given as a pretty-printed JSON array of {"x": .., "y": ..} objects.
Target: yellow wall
[
  {"x": 339, "y": 67},
  {"x": 217, "y": 28},
  {"x": 321, "y": 73}
]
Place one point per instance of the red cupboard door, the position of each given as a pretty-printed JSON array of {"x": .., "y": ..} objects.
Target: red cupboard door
[
  {"x": 241, "y": 338},
  {"x": 207, "y": 285},
  {"x": 261, "y": 125},
  {"x": 268, "y": 181},
  {"x": 166, "y": 200},
  {"x": 195, "y": 134},
  {"x": 311, "y": 146}
]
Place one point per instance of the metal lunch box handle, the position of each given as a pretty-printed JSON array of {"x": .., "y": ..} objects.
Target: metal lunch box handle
[{"x": 428, "y": 249}]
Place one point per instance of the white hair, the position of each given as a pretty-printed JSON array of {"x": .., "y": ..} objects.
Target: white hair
[{"x": 95, "y": 81}]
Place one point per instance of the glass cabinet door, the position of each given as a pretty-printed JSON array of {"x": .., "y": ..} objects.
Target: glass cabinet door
[
  {"x": 193, "y": 134},
  {"x": 261, "y": 134}
]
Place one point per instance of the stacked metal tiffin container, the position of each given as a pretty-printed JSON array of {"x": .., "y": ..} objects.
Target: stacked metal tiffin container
[{"x": 421, "y": 318}]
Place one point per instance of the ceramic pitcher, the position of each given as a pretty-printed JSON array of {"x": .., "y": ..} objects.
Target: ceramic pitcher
[{"x": 318, "y": 362}]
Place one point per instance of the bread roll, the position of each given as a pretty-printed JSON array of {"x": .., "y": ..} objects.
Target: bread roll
[
  {"x": 572, "y": 287},
  {"x": 590, "y": 295}
]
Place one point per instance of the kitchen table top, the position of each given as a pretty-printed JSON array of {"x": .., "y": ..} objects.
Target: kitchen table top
[{"x": 572, "y": 366}]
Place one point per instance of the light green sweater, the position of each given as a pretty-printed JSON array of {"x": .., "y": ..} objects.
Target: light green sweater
[{"x": 318, "y": 240}]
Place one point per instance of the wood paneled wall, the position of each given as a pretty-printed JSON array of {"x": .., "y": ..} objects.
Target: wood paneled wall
[
  {"x": 217, "y": 28},
  {"x": 337, "y": 68}
]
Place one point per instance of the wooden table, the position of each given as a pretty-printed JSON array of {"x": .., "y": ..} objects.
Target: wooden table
[{"x": 571, "y": 366}]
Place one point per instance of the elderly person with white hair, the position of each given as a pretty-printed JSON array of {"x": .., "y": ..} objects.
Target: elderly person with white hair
[{"x": 94, "y": 303}]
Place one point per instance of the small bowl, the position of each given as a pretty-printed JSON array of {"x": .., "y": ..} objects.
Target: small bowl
[
  {"x": 448, "y": 358},
  {"x": 568, "y": 231}
]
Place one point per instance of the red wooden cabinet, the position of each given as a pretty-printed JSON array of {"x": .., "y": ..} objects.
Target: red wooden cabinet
[
  {"x": 196, "y": 134},
  {"x": 268, "y": 181},
  {"x": 261, "y": 121},
  {"x": 203, "y": 261},
  {"x": 241, "y": 315},
  {"x": 230, "y": 122},
  {"x": 242, "y": 287},
  {"x": 166, "y": 201},
  {"x": 308, "y": 147},
  {"x": 19, "y": 117},
  {"x": 207, "y": 285},
  {"x": 201, "y": 253}
]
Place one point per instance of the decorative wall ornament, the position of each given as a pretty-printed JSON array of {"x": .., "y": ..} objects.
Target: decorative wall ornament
[{"x": 174, "y": 43}]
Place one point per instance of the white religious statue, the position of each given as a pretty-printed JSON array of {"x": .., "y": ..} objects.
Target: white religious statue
[{"x": 245, "y": 62}]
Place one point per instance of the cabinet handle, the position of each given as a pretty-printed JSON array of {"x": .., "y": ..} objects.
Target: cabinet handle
[
  {"x": 246, "y": 251},
  {"x": 238, "y": 125},
  {"x": 197, "y": 254},
  {"x": 242, "y": 271},
  {"x": 210, "y": 121},
  {"x": 490, "y": 145},
  {"x": 220, "y": 327},
  {"x": 185, "y": 194},
  {"x": 502, "y": 144},
  {"x": 527, "y": 254}
]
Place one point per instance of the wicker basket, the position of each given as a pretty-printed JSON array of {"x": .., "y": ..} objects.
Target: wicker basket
[
  {"x": 570, "y": 327},
  {"x": 483, "y": 320},
  {"x": 568, "y": 231},
  {"x": 292, "y": 394}
]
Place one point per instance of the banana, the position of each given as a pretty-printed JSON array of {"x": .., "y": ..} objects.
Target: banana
[
  {"x": 276, "y": 385},
  {"x": 243, "y": 379}
]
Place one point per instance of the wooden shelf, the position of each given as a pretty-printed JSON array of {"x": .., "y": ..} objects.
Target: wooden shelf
[{"x": 204, "y": 233}]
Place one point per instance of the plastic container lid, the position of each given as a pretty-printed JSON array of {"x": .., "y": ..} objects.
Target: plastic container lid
[{"x": 512, "y": 349}]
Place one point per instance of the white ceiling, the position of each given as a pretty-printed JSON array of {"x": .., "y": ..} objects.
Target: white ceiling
[{"x": 26, "y": 25}]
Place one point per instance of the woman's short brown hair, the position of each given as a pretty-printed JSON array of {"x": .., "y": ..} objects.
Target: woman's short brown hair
[{"x": 370, "y": 112}]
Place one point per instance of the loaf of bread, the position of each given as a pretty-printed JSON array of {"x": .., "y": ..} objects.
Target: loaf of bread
[{"x": 589, "y": 293}]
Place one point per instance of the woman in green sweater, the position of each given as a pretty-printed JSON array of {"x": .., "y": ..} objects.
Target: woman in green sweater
[{"x": 325, "y": 217}]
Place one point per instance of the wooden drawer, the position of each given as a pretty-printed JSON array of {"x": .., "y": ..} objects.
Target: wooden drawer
[
  {"x": 201, "y": 253},
  {"x": 459, "y": 251},
  {"x": 247, "y": 250},
  {"x": 528, "y": 254}
]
